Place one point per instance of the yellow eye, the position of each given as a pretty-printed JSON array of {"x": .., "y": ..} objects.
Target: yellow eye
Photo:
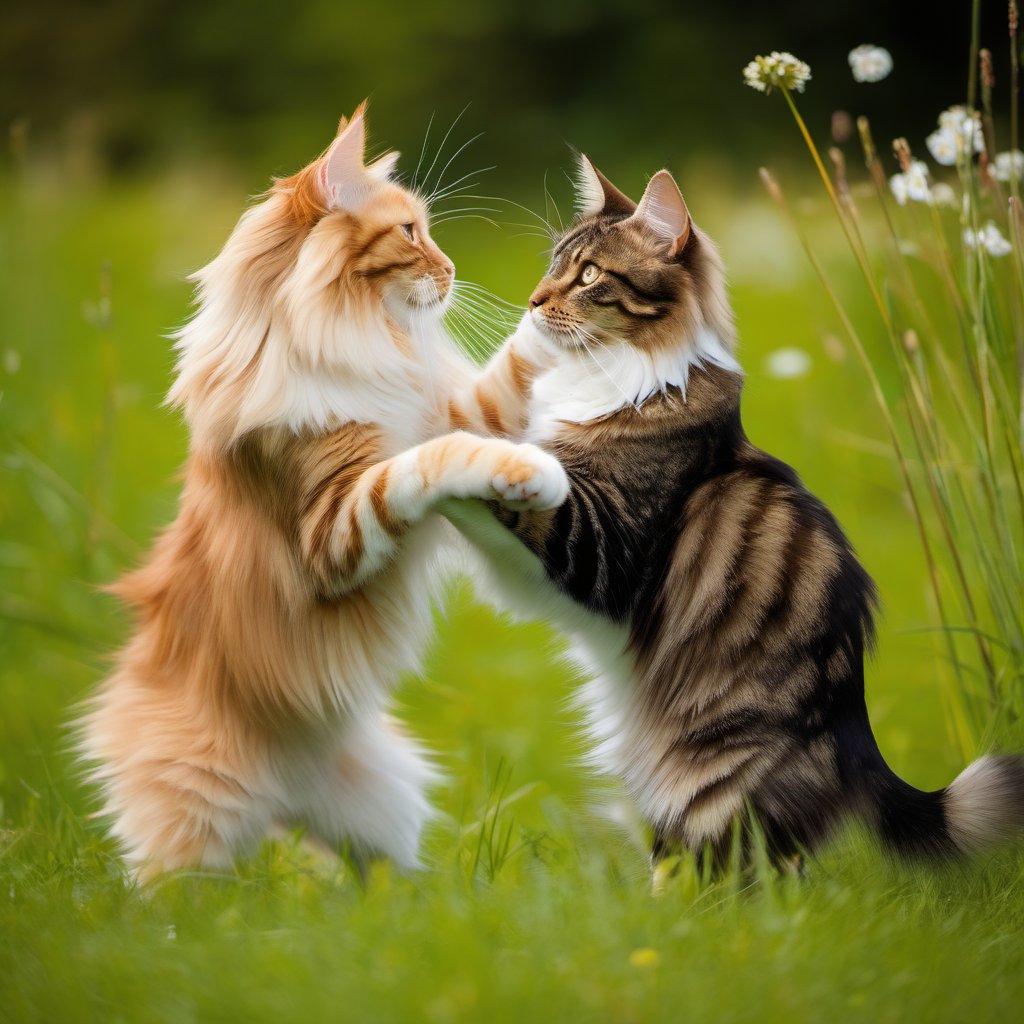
[{"x": 590, "y": 274}]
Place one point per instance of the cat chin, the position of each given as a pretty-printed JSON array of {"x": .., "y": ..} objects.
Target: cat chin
[
  {"x": 409, "y": 312},
  {"x": 554, "y": 340}
]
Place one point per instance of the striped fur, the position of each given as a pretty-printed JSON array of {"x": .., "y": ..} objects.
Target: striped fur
[
  {"x": 716, "y": 603},
  {"x": 292, "y": 591}
]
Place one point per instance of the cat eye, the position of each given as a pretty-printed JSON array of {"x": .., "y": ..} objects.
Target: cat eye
[
  {"x": 590, "y": 273},
  {"x": 409, "y": 230}
]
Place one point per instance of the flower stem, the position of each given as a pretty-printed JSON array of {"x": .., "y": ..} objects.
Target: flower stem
[{"x": 830, "y": 188}]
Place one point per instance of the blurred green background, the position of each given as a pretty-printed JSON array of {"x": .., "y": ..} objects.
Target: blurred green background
[
  {"x": 119, "y": 86},
  {"x": 136, "y": 133}
]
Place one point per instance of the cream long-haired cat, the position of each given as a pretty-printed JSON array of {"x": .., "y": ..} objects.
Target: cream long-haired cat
[{"x": 277, "y": 611}]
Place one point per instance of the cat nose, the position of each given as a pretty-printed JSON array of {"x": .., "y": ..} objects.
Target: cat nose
[{"x": 539, "y": 297}]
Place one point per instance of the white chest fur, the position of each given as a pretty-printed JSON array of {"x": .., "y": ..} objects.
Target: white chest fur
[{"x": 589, "y": 384}]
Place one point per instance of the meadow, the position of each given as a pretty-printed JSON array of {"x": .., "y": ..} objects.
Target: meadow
[{"x": 537, "y": 900}]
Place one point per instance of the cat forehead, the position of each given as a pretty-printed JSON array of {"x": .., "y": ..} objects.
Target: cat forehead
[
  {"x": 613, "y": 237},
  {"x": 391, "y": 203}
]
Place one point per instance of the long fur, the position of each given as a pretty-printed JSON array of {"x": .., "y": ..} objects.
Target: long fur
[
  {"x": 276, "y": 613},
  {"x": 715, "y": 605}
]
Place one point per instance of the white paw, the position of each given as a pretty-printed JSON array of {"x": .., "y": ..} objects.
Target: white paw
[{"x": 529, "y": 478}]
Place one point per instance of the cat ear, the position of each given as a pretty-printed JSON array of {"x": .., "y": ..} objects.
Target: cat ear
[
  {"x": 596, "y": 194},
  {"x": 663, "y": 211},
  {"x": 381, "y": 168},
  {"x": 343, "y": 176}
]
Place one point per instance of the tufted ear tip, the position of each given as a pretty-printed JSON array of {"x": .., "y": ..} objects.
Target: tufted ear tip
[
  {"x": 359, "y": 114},
  {"x": 382, "y": 168},
  {"x": 595, "y": 194}
]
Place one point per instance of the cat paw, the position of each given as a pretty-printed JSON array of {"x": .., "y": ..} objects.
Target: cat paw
[{"x": 529, "y": 478}]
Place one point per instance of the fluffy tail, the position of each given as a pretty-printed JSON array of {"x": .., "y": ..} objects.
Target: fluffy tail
[{"x": 981, "y": 807}]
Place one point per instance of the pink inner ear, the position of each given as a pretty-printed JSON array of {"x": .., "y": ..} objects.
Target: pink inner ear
[
  {"x": 663, "y": 211},
  {"x": 344, "y": 178}
]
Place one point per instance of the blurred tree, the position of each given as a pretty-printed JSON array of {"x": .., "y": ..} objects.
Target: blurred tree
[{"x": 263, "y": 83}]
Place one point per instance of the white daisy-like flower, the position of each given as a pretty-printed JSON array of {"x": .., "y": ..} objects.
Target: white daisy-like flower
[
  {"x": 777, "y": 71},
  {"x": 944, "y": 145},
  {"x": 787, "y": 363},
  {"x": 870, "y": 63},
  {"x": 965, "y": 131},
  {"x": 943, "y": 195},
  {"x": 1009, "y": 165},
  {"x": 912, "y": 184},
  {"x": 990, "y": 239}
]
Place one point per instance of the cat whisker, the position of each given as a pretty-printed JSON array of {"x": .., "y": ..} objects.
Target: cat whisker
[
  {"x": 482, "y": 326},
  {"x": 554, "y": 205},
  {"x": 464, "y": 334},
  {"x": 486, "y": 321},
  {"x": 497, "y": 322},
  {"x": 459, "y": 186},
  {"x": 549, "y": 228},
  {"x": 469, "y": 142},
  {"x": 468, "y": 209},
  {"x": 444, "y": 142},
  {"x": 496, "y": 307},
  {"x": 423, "y": 150},
  {"x": 475, "y": 286},
  {"x": 468, "y": 216}
]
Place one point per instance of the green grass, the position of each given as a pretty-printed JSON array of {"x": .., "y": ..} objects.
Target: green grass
[{"x": 536, "y": 903}]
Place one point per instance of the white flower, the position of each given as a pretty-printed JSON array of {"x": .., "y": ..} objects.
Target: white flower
[
  {"x": 777, "y": 70},
  {"x": 786, "y": 363},
  {"x": 870, "y": 63},
  {"x": 989, "y": 238},
  {"x": 1009, "y": 165},
  {"x": 944, "y": 145},
  {"x": 959, "y": 133},
  {"x": 943, "y": 195},
  {"x": 913, "y": 184}
]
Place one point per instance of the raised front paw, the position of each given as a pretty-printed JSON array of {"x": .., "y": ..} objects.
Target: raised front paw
[{"x": 528, "y": 478}]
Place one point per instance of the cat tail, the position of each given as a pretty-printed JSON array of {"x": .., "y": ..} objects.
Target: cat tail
[{"x": 981, "y": 807}]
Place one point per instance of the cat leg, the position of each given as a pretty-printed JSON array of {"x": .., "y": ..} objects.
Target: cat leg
[
  {"x": 351, "y": 527},
  {"x": 498, "y": 401},
  {"x": 368, "y": 791},
  {"x": 177, "y": 795}
]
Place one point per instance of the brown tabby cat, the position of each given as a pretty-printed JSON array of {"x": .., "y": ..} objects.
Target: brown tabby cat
[{"x": 716, "y": 603}]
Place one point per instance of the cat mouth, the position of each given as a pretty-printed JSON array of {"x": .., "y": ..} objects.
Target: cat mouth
[
  {"x": 566, "y": 335},
  {"x": 429, "y": 293}
]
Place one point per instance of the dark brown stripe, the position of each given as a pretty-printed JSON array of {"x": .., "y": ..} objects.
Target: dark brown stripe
[
  {"x": 323, "y": 526},
  {"x": 381, "y": 509},
  {"x": 353, "y": 553},
  {"x": 626, "y": 311},
  {"x": 654, "y": 298},
  {"x": 568, "y": 239},
  {"x": 377, "y": 271},
  {"x": 365, "y": 248}
]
